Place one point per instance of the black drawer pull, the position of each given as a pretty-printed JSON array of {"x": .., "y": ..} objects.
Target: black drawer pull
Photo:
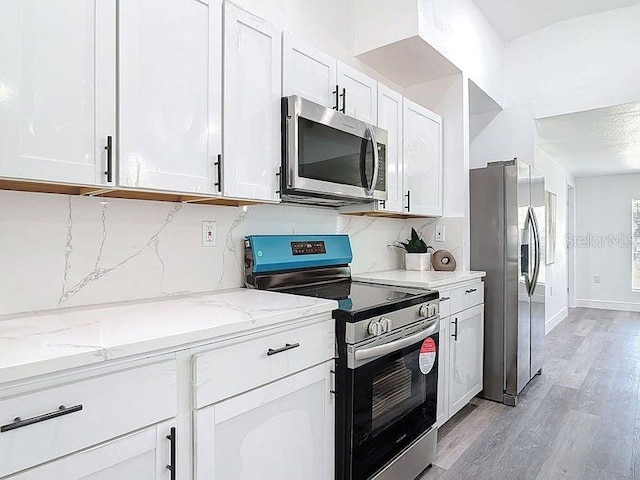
[
  {"x": 19, "y": 423},
  {"x": 472, "y": 290},
  {"x": 288, "y": 346},
  {"x": 172, "y": 465},
  {"x": 444, "y": 299}
]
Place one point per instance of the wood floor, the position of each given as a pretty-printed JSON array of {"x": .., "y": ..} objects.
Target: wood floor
[{"x": 578, "y": 420}]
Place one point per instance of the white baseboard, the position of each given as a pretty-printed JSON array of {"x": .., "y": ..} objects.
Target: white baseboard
[
  {"x": 609, "y": 305},
  {"x": 555, "y": 320}
]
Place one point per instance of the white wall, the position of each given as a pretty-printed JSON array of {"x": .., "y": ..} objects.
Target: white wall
[
  {"x": 603, "y": 231},
  {"x": 61, "y": 251},
  {"x": 456, "y": 29},
  {"x": 556, "y": 276},
  {"x": 579, "y": 64},
  {"x": 460, "y": 32}
]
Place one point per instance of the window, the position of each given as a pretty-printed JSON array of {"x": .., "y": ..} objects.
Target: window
[{"x": 635, "y": 244}]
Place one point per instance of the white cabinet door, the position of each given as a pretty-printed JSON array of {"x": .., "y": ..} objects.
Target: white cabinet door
[
  {"x": 466, "y": 354},
  {"x": 252, "y": 94},
  {"x": 282, "y": 431},
  {"x": 443, "y": 372},
  {"x": 423, "y": 166},
  {"x": 390, "y": 119},
  {"x": 359, "y": 94},
  {"x": 57, "y": 89},
  {"x": 170, "y": 94},
  {"x": 140, "y": 456},
  {"x": 308, "y": 73}
]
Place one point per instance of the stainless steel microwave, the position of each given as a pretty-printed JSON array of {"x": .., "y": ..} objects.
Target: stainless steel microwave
[{"x": 329, "y": 158}]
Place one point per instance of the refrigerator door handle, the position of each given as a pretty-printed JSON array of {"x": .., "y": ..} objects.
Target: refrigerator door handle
[
  {"x": 525, "y": 256},
  {"x": 538, "y": 257}
]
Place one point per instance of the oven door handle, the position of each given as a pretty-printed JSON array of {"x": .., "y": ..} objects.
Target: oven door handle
[{"x": 387, "y": 348}]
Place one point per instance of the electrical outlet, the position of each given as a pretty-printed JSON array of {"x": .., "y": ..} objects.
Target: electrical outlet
[
  {"x": 208, "y": 234},
  {"x": 596, "y": 279},
  {"x": 440, "y": 230}
]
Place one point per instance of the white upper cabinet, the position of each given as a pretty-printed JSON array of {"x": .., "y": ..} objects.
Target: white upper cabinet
[
  {"x": 423, "y": 165},
  {"x": 170, "y": 94},
  {"x": 308, "y": 73},
  {"x": 252, "y": 99},
  {"x": 57, "y": 89},
  {"x": 390, "y": 119},
  {"x": 316, "y": 76},
  {"x": 358, "y": 94}
]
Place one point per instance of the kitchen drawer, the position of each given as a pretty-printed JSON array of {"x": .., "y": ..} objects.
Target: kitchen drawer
[
  {"x": 97, "y": 409},
  {"x": 466, "y": 297},
  {"x": 445, "y": 303},
  {"x": 237, "y": 368}
]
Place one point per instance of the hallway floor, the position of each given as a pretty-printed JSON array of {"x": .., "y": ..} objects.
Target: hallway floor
[{"x": 579, "y": 420}]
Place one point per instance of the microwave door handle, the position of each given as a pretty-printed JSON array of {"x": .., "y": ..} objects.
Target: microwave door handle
[
  {"x": 387, "y": 348},
  {"x": 376, "y": 161}
]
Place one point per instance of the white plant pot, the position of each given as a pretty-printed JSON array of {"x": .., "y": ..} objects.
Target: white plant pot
[{"x": 417, "y": 261}]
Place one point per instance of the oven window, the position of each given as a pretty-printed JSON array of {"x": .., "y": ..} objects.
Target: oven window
[
  {"x": 394, "y": 404},
  {"x": 396, "y": 392},
  {"x": 330, "y": 155}
]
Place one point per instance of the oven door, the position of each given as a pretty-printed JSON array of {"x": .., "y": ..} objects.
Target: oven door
[
  {"x": 393, "y": 399},
  {"x": 331, "y": 154}
]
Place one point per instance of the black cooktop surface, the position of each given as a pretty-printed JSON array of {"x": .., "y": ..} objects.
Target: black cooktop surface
[{"x": 359, "y": 301}]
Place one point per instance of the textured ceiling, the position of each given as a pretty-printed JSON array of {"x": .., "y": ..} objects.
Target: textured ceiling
[
  {"x": 604, "y": 141},
  {"x": 514, "y": 18}
]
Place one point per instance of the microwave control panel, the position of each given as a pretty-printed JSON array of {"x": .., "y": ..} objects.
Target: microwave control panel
[{"x": 308, "y": 248}]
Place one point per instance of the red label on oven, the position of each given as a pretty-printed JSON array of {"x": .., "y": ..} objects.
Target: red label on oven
[{"x": 427, "y": 358}]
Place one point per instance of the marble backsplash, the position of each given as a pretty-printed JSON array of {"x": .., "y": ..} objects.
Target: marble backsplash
[{"x": 61, "y": 251}]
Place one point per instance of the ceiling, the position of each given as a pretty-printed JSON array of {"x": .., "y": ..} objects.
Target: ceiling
[
  {"x": 515, "y": 18},
  {"x": 605, "y": 141}
]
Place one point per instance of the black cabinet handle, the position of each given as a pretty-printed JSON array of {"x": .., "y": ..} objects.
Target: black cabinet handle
[
  {"x": 444, "y": 299},
  {"x": 408, "y": 195},
  {"x": 218, "y": 164},
  {"x": 288, "y": 346},
  {"x": 19, "y": 423},
  {"x": 337, "y": 94},
  {"x": 471, "y": 290},
  {"x": 109, "y": 149},
  {"x": 344, "y": 100},
  {"x": 455, "y": 331},
  {"x": 172, "y": 466}
]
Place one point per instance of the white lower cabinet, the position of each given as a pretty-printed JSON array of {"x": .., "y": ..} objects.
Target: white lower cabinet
[
  {"x": 144, "y": 455},
  {"x": 443, "y": 373},
  {"x": 466, "y": 355},
  {"x": 281, "y": 431},
  {"x": 460, "y": 368}
]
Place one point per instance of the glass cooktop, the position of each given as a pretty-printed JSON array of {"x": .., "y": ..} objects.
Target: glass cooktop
[{"x": 358, "y": 301}]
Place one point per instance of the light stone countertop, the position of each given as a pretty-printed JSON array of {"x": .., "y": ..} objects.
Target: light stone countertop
[
  {"x": 430, "y": 279},
  {"x": 54, "y": 341}
]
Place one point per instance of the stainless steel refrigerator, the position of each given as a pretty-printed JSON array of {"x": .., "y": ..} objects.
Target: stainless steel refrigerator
[{"x": 507, "y": 218}]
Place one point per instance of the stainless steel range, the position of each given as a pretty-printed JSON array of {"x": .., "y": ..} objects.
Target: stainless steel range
[{"x": 387, "y": 363}]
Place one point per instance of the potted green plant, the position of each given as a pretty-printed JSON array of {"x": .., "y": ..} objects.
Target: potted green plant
[{"x": 417, "y": 256}]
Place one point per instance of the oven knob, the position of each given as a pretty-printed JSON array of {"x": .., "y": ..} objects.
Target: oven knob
[
  {"x": 424, "y": 311},
  {"x": 375, "y": 328},
  {"x": 386, "y": 324},
  {"x": 434, "y": 309}
]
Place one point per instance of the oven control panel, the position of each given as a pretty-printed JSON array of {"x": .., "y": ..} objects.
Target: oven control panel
[{"x": 308, "y": 248}]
